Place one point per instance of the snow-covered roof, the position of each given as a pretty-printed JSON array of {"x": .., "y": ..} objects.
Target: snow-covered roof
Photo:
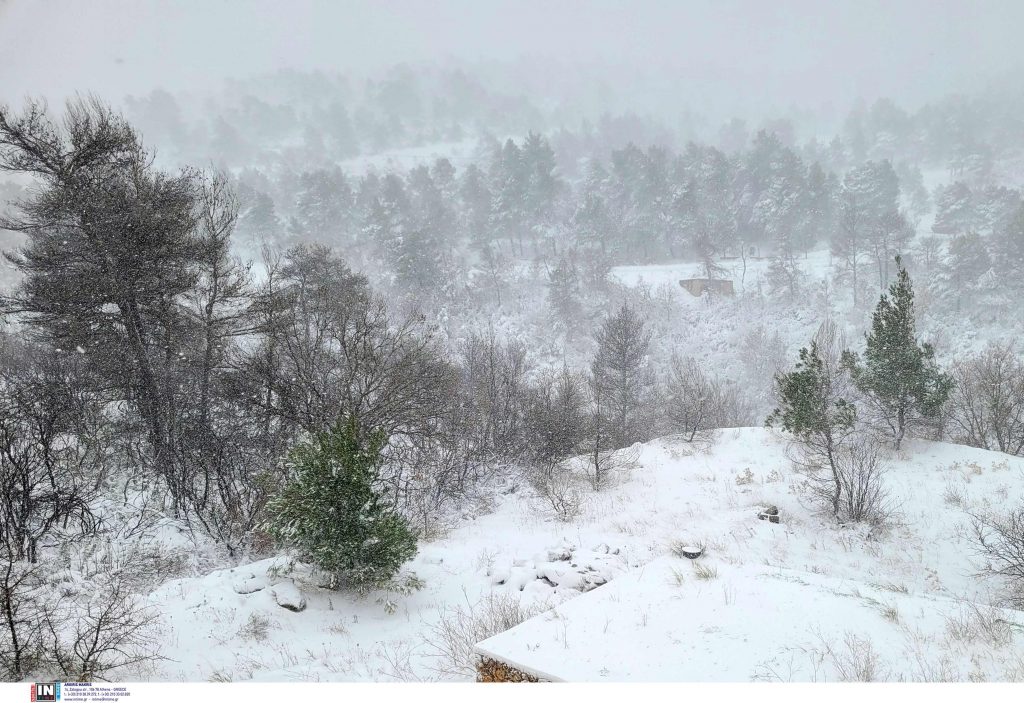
[{"x": 667, "y": 622}]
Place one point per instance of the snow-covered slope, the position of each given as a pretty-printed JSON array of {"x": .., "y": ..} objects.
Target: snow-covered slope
[{"x": 229, "y": 624}]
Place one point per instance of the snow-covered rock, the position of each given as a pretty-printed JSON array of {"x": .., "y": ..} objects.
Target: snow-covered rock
[
  {"x": 288, "y": 596},
  {"x": 251, "y": 584}
]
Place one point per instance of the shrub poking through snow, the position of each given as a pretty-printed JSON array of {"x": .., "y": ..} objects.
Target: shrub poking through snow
[
  {"x": 334, "y": 512},
  {"x": 562, "y": 492},
  {"x": 454, "y": 637},
  {"x": 998, "y": 538},
  {"x": 704, "y": 573}
]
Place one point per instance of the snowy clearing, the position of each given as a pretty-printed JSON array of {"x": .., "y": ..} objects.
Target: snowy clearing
[{"x": 922, "y": 567}]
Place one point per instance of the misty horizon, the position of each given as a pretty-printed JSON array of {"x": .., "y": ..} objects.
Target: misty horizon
[{"x": 821, "y": 56}]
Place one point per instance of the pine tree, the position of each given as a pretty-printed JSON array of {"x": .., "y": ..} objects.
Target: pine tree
[
  {"x": 813, "y": 408},
  {"x": 621, "y": 378},
  {"x": 334, "y": 513},
  {"x": 1008, "y": 245},
  {"x": 475, "y": 201},
  {"x": 564, "y": 296},
  {"x": 869, "y": 220},
  {"x": 899, "y": 375},
  {"x": 954, "y": 210},
  {"x": 324, "y": 204}
]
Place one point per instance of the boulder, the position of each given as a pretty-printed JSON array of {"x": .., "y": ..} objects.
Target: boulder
[
  {"x": 251, "y": 584},
  {"x": 289, "y": 597}
]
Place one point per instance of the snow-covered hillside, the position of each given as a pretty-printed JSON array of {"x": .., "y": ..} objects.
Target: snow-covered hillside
[{"x": 514, "y": 555}]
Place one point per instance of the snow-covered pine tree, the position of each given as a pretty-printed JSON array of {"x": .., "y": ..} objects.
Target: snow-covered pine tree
[
  {"x": 1008, "y": 249},
  {"x": 474, "y": 201},
  {"x": 899, "y": 375},
  {"x": 967, "y": 262},
  {"x": 564, "y": 296},
  {"x": 954, "y": 210},
  {"x": 334, "y": 512},
  {"x": 387, "y": 218},
  {"x": 621, "y": 378}
]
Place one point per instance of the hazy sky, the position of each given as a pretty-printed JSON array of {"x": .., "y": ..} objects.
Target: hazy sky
[{"x": 808, "y": 52}]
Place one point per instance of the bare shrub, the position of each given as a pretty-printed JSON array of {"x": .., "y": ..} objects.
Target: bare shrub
[
  {"x": 602, "y": 467},
  {"x": 862, "y": 471},
  {"x": 557, "y": 422},
  {"x": 697, "y": 403},
  {"x": 257, "y": 627},
  {"x": 110, "y": 630},
  {"x": 50, "y": 453},
  {"x": 461, "y": 628},
  {"x": 854, "y": 660},
  {"x": 143, "y": 564},
  {"x": 80, "y": 624},
  {"x": 428, "y": 495},
  {"x": 974, "y": 621},
  {"x": 954, "y": 495},
  {"x": 493, "y": 382},
  {"x": 999, "y": 540},
  {"x": 562, "y": 492},
  {"x": 22, "y": 611},
  {"x": 987, "y": 403},
  {"x": 763, "y": 352},
  {"x": 855, "y": 487}
]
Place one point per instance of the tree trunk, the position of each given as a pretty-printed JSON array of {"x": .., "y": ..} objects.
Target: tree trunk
[{"x": 901, "y": 425}]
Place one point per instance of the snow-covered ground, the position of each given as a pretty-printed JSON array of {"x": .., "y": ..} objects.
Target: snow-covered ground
[
  {"x": 674, "y": 620},
  {"x": 751, "y": 620},
  {"x": 401, "y": 160}
]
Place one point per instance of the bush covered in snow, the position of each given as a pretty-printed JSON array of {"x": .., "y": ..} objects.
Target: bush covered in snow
[{"x": 334, "y": 512}]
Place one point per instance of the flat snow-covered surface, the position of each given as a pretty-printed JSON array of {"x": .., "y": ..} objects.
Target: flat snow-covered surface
[
  {"x": 779, "y": 580},
  {"x": 403, "y": 159},
  {"x": 669, "y": 622}
]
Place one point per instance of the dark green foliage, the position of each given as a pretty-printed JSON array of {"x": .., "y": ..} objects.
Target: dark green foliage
[
  {"x": 899, "y": 375},
  {"x": 808, "y": 404},
  {"x": 333, "y": 512},
  {"x": 813, "y": 408}
]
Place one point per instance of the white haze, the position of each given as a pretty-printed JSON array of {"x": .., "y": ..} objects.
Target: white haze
[{"x": 728, "y": 57}]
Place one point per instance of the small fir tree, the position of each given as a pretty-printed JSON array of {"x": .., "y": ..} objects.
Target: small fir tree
[
  {"x": 899, "y": 375},
  {"x": 334, "y": 513}
]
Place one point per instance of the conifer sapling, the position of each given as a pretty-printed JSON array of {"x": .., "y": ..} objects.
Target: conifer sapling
[{"x": 334, "y": 513}]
